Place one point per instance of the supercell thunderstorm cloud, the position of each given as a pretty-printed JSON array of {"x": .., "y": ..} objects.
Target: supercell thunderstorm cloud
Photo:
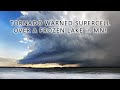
[{"x": 85, "y": 49}]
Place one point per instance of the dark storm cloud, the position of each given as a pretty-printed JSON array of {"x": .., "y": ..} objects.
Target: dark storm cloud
[
  {"x": 88, "y": 50},
  {"x": 112, "y": 39}
]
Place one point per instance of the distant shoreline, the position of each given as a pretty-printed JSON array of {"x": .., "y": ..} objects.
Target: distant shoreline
[{"x": 59, "y": 67}]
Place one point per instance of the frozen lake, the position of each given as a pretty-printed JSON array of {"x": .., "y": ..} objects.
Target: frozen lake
[{"x": 60, "y": 73}]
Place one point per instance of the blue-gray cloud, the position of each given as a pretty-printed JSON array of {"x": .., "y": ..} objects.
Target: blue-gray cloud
[{"x": 88, "y": 50}]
